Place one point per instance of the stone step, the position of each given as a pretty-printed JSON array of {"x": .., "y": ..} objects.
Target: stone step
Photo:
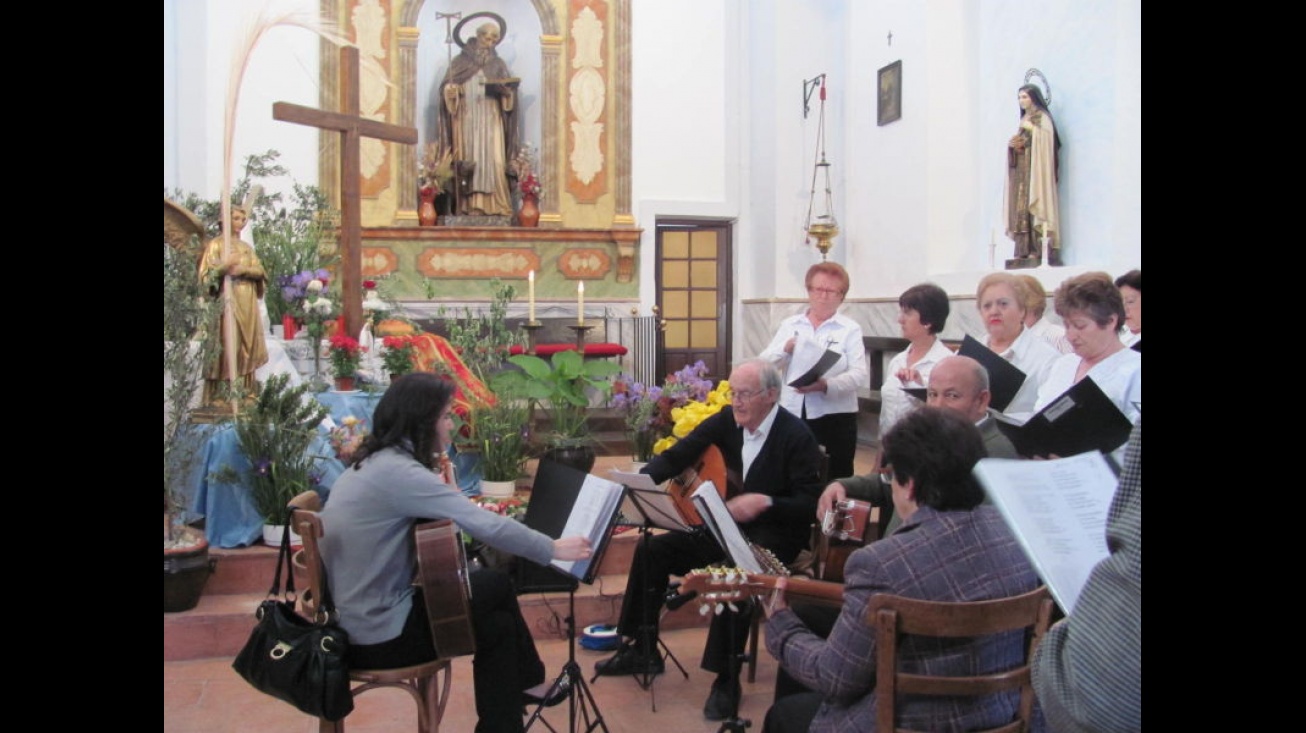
[{"x": 222, "y": 621}]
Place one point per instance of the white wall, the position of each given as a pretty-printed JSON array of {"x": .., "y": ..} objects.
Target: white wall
[{"x": 718, "y": 130}]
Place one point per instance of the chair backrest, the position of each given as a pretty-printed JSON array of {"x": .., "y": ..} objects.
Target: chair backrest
[
  {"x": 893, "y": 616},
  {"x": 308, "y": 525}
]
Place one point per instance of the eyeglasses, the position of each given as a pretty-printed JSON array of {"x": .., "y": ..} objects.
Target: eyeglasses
[
  {"x": 827, "y": 292},
  {"x": 745, "y": 395}
]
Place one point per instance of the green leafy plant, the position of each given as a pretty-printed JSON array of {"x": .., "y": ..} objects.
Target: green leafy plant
[
  {"x": 397, "y": 354},
  {"x": 345, "y": 355},
  {"x": 565, "y": 384},
  {"x": 275, "y": 434},
  {"x": 503, "y": 431},
  {"x": 483, "y": 339},
  {"x": 189, "y": 342}
]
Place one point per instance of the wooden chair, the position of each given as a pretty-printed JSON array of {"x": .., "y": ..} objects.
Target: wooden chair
[
  {"x": 893, "y": 616},
  {"x": 428, "y": 683}
]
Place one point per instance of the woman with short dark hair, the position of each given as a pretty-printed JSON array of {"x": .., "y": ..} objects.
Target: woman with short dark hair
[
  {"x": 1131, "y": 291},
  {"x": 922, "y": 314}
]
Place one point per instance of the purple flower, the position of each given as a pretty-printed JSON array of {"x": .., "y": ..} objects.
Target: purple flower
[{"x": 262, "y": 466}]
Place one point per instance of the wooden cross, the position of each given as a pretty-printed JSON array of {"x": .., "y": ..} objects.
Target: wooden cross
[{"x": 352, "y": 128}]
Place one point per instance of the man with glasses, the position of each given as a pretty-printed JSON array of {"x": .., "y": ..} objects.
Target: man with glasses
[
  {"x": 778, "y": 460},
  {"x": 957, "y": 383}
]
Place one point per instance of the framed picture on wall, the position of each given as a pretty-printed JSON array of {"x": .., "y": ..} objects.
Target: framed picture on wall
[{"x": 890, "y": 107}]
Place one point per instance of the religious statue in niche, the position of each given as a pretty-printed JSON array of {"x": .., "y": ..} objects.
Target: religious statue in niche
[
  {"x": 1030, "y": 195},
  {"x": 244, "y": 274},
  {"x": 478, "y": 120}
]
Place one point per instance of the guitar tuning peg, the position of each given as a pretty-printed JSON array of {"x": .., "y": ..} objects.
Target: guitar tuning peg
[
  {"x": 719, "y": 608},
  {"x": 733, "y": 607},
  {"x": 704, "y": 608}
]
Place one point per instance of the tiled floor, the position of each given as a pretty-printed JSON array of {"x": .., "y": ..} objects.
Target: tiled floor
[{"x": 207, "y": 696}]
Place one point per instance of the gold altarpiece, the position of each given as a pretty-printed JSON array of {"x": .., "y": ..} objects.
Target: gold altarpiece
[{"x": 586, "y": 229}]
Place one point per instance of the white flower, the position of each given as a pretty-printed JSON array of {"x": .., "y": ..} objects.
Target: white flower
[
  {"x": 314, "y": 286},
  {"x": 322, "y": 305}
]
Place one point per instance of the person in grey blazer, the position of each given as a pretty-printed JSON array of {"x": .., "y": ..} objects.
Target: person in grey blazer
[
  {"x": 1088, "y": 670},
  {"x": 950, "y": 548}
]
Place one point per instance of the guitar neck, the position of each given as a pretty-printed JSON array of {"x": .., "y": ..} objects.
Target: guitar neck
[{"x": 715, "y": 586}]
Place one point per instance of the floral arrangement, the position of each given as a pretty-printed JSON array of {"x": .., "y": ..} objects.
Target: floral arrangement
[
  {"x": 687, "y": 417},
  {"x": 523, "y": 166},
  {"x": 398, "y": 353},
  {"x": 345, "y": 354},
  {"x": 649, "y": 409},
  {"x": 511, "y": 506},
  {"x": 502, "y": 431},
  {"x": 346, "y": 437},
  {"x": 303, "y": 293},
  {"x": 435, "y": 169}
]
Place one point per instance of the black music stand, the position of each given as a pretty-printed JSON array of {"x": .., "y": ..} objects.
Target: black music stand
[
  {"x": 556, "y": 491},
  {"x": 581, "y": 705},
  {"x": 654, "y": 508}
]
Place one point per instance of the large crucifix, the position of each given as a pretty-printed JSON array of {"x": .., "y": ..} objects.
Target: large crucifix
[{"x": 352, "y": 128}]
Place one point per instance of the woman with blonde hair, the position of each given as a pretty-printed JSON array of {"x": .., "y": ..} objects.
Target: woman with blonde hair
[
  {"x": 1001, "y": 299},
  {"x": 1036, "y": 303}
]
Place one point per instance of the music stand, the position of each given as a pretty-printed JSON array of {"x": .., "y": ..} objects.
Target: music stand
[
  {"x": 654, "y": 508},
  {"x": 558, "y": 489},
  {"x": 570, "y": 682}
]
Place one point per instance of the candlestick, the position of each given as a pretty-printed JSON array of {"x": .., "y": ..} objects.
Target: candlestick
[
  {"x": 530, "y": 279},
  {"x": 580, "y": 303}
]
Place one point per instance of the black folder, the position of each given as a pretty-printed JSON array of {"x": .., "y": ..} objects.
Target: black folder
[
  {"x": 553, "y": 498},
  {"x": 1082, "y": 419},
  {"x": 1004, "y": 378},
  {"x": 827, "y": 360}
]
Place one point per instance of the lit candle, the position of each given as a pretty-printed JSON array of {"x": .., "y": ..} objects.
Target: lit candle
[
  {"x": 580, "y": 303},
  {"x": 530, "y": 278}
]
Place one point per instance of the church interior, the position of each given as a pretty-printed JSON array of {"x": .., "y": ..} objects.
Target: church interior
[{"x": 654, "y": 182}]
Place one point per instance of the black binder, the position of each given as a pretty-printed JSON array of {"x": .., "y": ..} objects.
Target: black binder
[
  {"x": 553, "y": 498},
  {"x": 1082, "y": 419},
  {"x": 818, "y": 370},
  {"x": 1005, "y": 379}
]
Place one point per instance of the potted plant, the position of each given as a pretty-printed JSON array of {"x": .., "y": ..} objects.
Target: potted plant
[
  {"x": 189, "y": 341},
  {"x": 276, "y": 434},
  {"x": 503, "y": 431},
  {"x": 345, "y": 356},
  {"x": 397, "y": 356},
  {"x": 565, "y": 385}
]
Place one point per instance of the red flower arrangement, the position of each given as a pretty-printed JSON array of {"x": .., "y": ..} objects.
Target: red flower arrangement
[
  {"x": 369, "y": 285},
  {"x": 398, "y": 354},
  {"x": 530, "y": 185},
  {"x": 345, "y": 354}
]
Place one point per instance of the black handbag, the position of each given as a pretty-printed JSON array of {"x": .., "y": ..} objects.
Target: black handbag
[{"x": 293, "y": 659}]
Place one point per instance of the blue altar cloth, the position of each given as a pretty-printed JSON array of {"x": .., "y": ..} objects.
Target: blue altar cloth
[{"x": 230, "y": 519}]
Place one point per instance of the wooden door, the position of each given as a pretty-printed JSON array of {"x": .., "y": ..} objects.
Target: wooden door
[{"x": 694, "y": 295}]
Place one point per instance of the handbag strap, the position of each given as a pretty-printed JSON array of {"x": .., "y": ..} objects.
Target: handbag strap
[{"x": 283, "y": 561}]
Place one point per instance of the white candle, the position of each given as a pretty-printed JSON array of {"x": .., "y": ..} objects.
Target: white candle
[
  {"x": 530, "y": 278},
  {"x": 580, "y": 303}
]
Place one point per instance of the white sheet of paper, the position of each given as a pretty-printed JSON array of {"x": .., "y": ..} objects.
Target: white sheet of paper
[
  {"x": 806, "y": 353},
  {"x": 728, "y": 532},
  {"x": 1057, "y": 509},
  {"x": 595, "y": 504},
  {"x": 632, "y": 479}
]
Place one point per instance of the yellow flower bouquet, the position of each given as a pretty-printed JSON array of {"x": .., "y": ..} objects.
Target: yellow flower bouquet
[{"x": 688, "y": 417}]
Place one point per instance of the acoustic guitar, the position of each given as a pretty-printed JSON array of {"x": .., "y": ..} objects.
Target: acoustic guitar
[
  {"x": 710, "y": 466},
  {"x": 726, "y": 585},
  {"x": 446, "y": 587}
]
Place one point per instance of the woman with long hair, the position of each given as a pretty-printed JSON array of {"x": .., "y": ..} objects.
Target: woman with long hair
[{"x": 398, "y": 476}]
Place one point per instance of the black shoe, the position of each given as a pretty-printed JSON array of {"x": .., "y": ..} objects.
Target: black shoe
[
  {"x": 539, "y": 694},
  {"x": 721, "y": 704},
  {"x": 629, "y": 660}
]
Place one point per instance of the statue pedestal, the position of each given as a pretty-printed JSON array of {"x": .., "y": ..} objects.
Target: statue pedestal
[{"x": 476, "y": 220}]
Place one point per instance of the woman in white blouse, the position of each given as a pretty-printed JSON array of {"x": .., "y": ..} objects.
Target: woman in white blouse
[
  {"x": 922, "y": 314},
  {"x": 1131, "y": 291},
  {"x": 829, "y": 405},
  {"x": 1001, "y": 299},
  {"x": 1091, "y": 307}
]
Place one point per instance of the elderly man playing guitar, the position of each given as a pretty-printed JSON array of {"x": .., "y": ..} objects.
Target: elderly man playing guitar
[{"x": 779, "y": 461}]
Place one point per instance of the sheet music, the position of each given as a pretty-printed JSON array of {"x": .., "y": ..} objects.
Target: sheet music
[
  {"x": 713, "y": 510},
  {"x": 1057, "y": 509},
  {"x": 595, "y": 504},
  {"x": 634, "y": 480},
  {"x": 654, "y": 507}
]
